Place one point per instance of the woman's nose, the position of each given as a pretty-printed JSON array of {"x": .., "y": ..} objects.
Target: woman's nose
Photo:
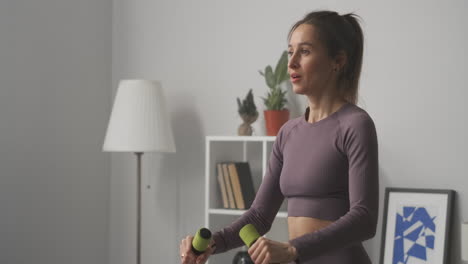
[{"x": 292, "y": 63}]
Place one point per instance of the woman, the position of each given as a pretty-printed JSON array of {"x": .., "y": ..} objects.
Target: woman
[{"x": 325, "y": 162}]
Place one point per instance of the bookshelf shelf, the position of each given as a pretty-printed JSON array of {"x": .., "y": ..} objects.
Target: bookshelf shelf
[{"x": 252, "y": 149}]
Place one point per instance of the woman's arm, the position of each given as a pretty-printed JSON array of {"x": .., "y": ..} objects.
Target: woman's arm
[{"x": 360, "y": 222}]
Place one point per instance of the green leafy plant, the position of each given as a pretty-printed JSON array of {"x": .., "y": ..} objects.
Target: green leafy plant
[
  {"x": 276, "y": 98},
  {"x": 247, "y": 107}
]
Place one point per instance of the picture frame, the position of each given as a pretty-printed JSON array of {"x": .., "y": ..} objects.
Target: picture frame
[{"x": 416, "y": 226}]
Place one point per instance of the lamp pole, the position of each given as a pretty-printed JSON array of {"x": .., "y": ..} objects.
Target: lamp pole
[{"x": 139, "y": 154}]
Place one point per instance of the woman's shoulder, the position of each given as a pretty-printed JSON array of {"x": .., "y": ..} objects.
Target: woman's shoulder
[
  {"x": 355, "y": 117},
  {"x": 290, "y": 124},
  {"x": 286, "y": 128}
]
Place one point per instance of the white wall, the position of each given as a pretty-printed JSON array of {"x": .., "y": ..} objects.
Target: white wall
[{"x": 55, "y": 79}]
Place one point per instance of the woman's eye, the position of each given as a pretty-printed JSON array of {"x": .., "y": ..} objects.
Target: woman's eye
[{"x": 290, "y": 53}]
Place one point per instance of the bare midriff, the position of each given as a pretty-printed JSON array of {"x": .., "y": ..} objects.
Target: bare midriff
[{"x": 298, "y": 226}]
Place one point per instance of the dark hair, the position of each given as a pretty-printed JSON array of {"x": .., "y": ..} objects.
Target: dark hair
[{"x": 337, "y": 33}]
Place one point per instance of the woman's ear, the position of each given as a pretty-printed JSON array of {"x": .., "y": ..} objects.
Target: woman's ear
[{"x": 340, "y": 59}]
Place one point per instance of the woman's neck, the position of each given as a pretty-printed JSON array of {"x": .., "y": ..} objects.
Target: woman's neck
[{"x": 321, "y": 108}]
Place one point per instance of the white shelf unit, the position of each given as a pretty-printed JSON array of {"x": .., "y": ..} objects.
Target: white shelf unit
[{"x": 254, "y": 149}]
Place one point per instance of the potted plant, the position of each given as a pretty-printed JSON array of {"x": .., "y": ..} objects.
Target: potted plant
[
  {"x": 248, "y": 112},
  {"x": 276, "y": 113}
]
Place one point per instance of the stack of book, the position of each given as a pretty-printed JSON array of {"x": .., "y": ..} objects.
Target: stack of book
[{"x": 236, "y": 185}]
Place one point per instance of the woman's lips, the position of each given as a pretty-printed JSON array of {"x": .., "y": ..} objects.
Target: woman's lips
[{"x": 295, "y": 79}]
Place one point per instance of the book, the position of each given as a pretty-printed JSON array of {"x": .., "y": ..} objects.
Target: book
[
  {"x": 236, "y": 186},
  {"x": 246, "y": 183},
  {"x": 222, "y": 185},
  {"x": 229, "y": 190}
]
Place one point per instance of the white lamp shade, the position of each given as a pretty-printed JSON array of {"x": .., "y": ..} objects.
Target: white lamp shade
[
  {"x": 464, "y": 238},
  {"x": 139, "y": 121}
]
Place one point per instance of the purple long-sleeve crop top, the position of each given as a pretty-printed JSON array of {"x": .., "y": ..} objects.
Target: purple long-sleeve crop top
[{"x": 326, "y": 170}]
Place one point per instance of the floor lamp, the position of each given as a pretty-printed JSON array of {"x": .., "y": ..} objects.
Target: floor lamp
[{"x": 139, "y": 123}]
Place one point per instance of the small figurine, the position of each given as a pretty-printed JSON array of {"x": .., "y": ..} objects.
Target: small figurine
[{"x": 248, "y": 112}]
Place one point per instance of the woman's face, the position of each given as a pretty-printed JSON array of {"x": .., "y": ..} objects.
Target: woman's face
[{"x": 309, "y": 67}]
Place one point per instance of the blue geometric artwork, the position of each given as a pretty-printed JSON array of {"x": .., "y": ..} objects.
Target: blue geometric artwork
[{"x": 414, "y": 235}]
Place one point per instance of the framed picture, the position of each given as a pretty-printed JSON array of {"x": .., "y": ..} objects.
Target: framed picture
[{"x": 416, "y": 226}]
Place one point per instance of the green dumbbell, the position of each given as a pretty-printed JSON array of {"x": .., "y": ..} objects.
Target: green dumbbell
[
  {"x": 249, "y": 234},
  {"x": 201, "y": 241}
]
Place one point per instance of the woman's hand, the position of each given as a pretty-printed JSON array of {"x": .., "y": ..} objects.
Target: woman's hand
[
  {"x": 265, "y": 251},
  {"x": 188, "y": 257}
]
